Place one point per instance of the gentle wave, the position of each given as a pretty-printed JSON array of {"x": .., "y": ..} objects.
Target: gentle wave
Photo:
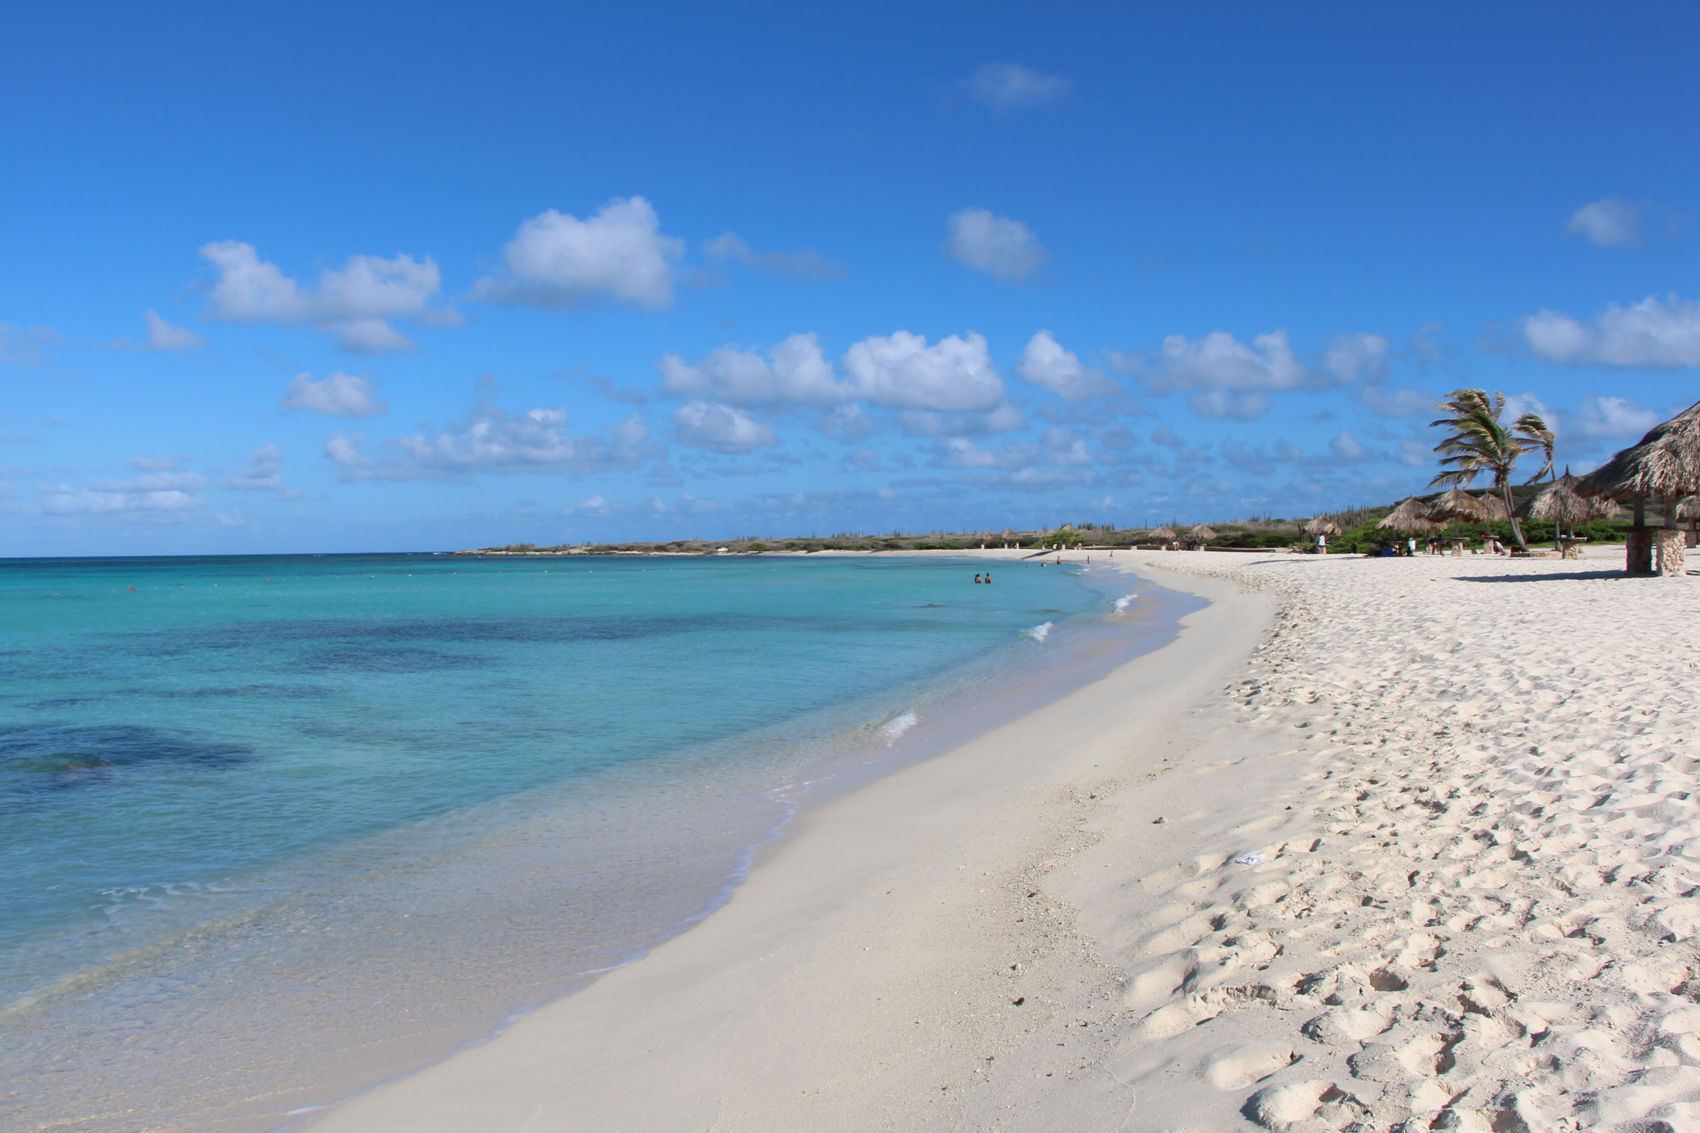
[
  {"x": 1041, "y": 631},
  {"x": 897, "y": 725},
  {"x": 1124, "y": 602}
]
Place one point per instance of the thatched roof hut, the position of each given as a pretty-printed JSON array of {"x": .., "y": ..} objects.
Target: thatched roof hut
[
  {"x": 1322, "y": 525},
  {"x": 1162, "y": 534},
  {"x": 1493, "y": 506},
  {"x": 1459, "y": 504},
  {"x": 1559, "y": 503},
  {"x": 1202, "y": 533},
  {"x": 1688, "y": 509},
  {"x": 1665, "y": 465},
  {"x": 1410, "y": 518}
]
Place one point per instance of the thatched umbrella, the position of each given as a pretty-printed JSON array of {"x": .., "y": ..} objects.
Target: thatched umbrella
[
  {"x": 1493, "y": 507},
  {"x": 1664, "y": 467},
  {"x": 1559, "y": 504},
  {"x": 1322, "y": 525},
  {"x": 1200, "y": 535},
  {"x": 1409, "y": 518},
  {"x": 1164, "y": 534},
  {"x": 1459, "y": 504},
  {"x": 1689, "y": 508}
]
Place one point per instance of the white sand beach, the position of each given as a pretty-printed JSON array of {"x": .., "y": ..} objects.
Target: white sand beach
[{"x": 1375, "y": 844}]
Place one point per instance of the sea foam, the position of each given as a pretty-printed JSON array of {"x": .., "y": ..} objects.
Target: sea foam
[
  {"x": 897, "y": 725},
  {"x": 1124, "y": 602},
  {"x": 1041, "y": 631}
]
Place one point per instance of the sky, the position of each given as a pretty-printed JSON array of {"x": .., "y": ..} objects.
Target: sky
[{"x": 343, "y": 277}]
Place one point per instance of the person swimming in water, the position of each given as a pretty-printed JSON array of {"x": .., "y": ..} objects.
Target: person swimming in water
[
  {"x": 988, "y": 578},
  {"x": 976, "y": 580}
]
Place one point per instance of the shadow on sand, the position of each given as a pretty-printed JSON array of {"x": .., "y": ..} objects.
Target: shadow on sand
[{"x": 1567, "y": 576}]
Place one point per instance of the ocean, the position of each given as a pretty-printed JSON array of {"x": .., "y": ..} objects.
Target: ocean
[{"x": 273, "y": 828}]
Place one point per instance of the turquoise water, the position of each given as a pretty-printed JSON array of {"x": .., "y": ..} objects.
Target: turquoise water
[{"x": 252, "y": 808}]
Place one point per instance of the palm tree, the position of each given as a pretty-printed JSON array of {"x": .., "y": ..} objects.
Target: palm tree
[{"x": 1478, "y": 441}]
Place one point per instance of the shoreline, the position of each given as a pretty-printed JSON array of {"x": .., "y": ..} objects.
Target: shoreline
[
  {"x": 953, "y": 709},
  {"x": 774, "y": 956},
  {"x": 1374, "y": 844}
]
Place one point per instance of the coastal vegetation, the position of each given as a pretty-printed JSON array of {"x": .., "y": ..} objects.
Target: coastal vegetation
[{"x": 1358, "y": 532}]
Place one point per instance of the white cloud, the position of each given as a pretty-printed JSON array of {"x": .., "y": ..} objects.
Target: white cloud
[
  {"x": 1347, "y": 447},
  {"x": 1221, "y": 361},
  {"x": 264, "y": 472},
  {"x": 1654, "y": 334},
  {"x": 355, "y": 303},
  {"x": 795, "y": 371},
  {"x": 929, "y": 423},
  {"x": 720, "y": 428},
  {"x": 1610, "y": 222},
  {"x": 900, "y": 371},
  {"x": 1222, "y": 403},
  {"x": 1615, "y": 417},
  {"x": 1047, "y": 364},
  {"x": 805, "y": 263},
  {"x": 490, "y": 439},
  {"x": 336, "y": 395},
  {"x": 22, "y": 346},
  {"x": 149, "y": 492},
  {"x": 997, "y": 245},
  {"x": 847, "y": 423},
  {"x": 163, "y": 336},
  {"x": 1396, "y": 402},
  {"x": 620, "y": 254},
  {"x": 1357, "y": 357},
  {"x": 1009, "y": 86}
]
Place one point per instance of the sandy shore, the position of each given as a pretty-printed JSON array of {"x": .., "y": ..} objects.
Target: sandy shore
[{"x": 1372, "y": 845}]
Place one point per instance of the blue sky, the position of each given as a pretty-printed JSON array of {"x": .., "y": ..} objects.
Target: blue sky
[{"x": 352, "y": 276}]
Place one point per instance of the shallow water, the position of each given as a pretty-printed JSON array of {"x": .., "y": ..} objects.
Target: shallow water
[{"x": 271, "y": 827}]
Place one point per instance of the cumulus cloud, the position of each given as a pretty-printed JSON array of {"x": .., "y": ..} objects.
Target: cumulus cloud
[
  {"x": 264, "y": 472},
  {"x": 805, "y": 263},
  {"x": 162, "y": 491},
  {"x": 354, "y": 303},
  {"x": 1010, "y": 86},
  {"x": 1048, "y": 365},
  {"x": 335, "y": 395},
  {"x": 901, "y": 371},
  {"x": 1390, "y": 402},
  {"x": 1654, "y": 334},
  {"x": 898, "y": 371},
  {"x": 930, "y": 423},
  {"x": 796, "y": 372},
  {"x": 1221, "y": 361},
  {"x": 1347, "y": 447},
  {"x": 1614, "y": 417},
  {"x": 22, "y": 346},
  {"x": 720, "y": 428},
  {"x": 1610, "y": 222},
  {"x": 1222, "y": 403},
  {"x": 1357, "y": 357},
  {"x": 619, "y": 255},
  {"x": 490, "y": 439},
  {"x": 164, "y": 337},
  {"x": 997, "y": 245}
]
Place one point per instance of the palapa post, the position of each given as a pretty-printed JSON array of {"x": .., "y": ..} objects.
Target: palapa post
[{"x": 1663, "y": 467}]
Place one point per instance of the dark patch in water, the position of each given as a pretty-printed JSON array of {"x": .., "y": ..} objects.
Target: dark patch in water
[
  {"x": 37, "y": 758},
  {"x": 387, "y": 660},
  {"x": 255, "y": 691}
]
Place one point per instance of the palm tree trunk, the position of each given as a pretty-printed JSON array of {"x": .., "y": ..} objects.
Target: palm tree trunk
[{"x": 1511, "y": 514}]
